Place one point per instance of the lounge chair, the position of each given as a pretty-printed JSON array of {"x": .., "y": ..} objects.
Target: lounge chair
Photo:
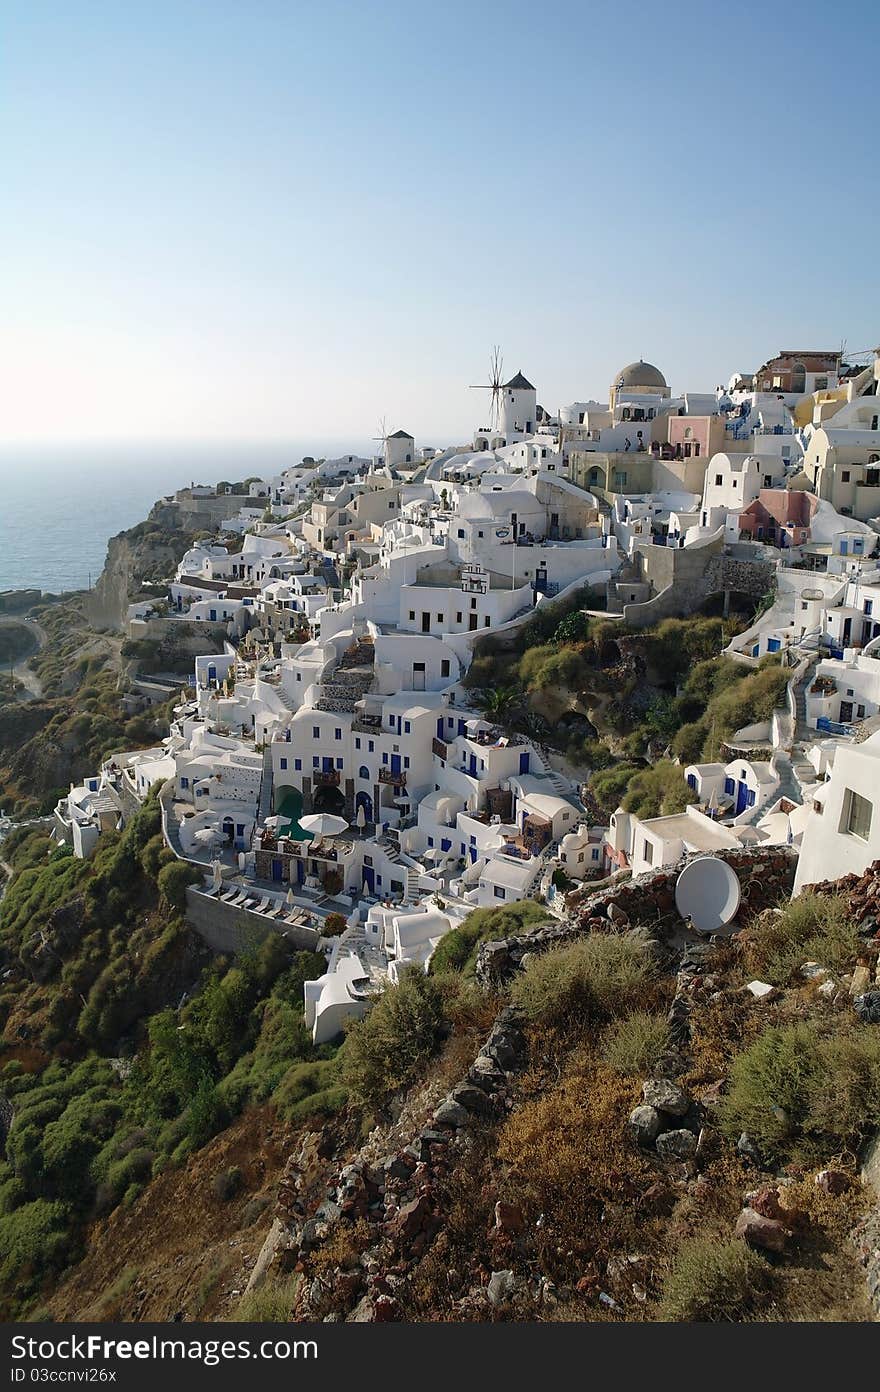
[{"x": 264, "y": 903}]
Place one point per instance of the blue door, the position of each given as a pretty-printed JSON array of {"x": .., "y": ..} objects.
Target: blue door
[
  {"x": 473, "y": 766},
  {"x": 524, "y": 763},
  {"x": 213, "y": 615},
  {"x": 277, "y": 869},
  {"x": 300, "y": 872},
  {"x": 773, "y": 645},
  {"x": 395, "y": 763},
  {"x": 742, "y": 797},
  {"x": 440, "y": 728},
  {"x": 327, "y": 765},
  {"x": 369, "y": 878}
]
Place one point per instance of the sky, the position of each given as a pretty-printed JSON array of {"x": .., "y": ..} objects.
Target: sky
[{"x": 261, "y": 219}]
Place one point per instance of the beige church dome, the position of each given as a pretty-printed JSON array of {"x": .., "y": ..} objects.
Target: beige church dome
[{"x": 639, "y": 374}]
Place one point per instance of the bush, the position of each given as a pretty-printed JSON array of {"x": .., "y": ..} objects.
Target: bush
[
  {"x": 594, "y": 978},
  {"x": 804, "y": 1094},
  {"x": 227, "y": 1183},
  {"x": 173, "y": 880},
  {"x": 382, "y": 1051},
  {"x": 813, "y": 927},
  {"x": 271, "y": 1303},
  {"x": 333, "y": 925},
  {"x": 457, "y": 949},
  {"x": 658, "y": 791},
  {"x": 714, "y": 1282},
  {"x": 634, "y": 1044}
]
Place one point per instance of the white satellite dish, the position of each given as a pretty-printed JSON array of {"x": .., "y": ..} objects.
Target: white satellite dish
[{"x": 707, "y": 892}]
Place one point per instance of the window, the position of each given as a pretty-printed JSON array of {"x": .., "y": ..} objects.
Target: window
[
  {"x": 461, "y": 531},
  {"x": 857, "y": 812},
  {"x": 498, "y": 892},
  {"x": 473, "y": 604},
  {"x": 439, "y": 618},
  {"x": 869, "y": 606},
  {"x": 357, "y": 740},
  {"x": 337, "y": 734},
  {"x": 844, "y": 477},
  {"x": 718, "y": 480},
  {"x": 479, "y": 534},
  {"x": 458, "y": 618},
  {"x": 363, "y": 772},
  {"x": 316, "y": 732},
  {"x": 297, "y": 764},
  {"x": 444, "y": 664},
  {"x": 407, "y": 727},
  {"x": 339, "y": 763},
  {"x": 648, "y": 853},
  {"x": 412, "y": 615},
  {"x": 283, "y": 763}
]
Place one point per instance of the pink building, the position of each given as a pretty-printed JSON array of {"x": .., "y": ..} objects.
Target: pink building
[{"x": 779, "y": 516}]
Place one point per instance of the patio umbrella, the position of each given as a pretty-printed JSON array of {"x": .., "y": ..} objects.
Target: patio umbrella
[
  {"x": 290, "y": 899},
  {"x": 324, "y": 824},
  {"x": 361, "y": 818}
]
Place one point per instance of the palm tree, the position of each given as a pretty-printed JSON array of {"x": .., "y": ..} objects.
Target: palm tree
[{"x": 499, "y": 701}]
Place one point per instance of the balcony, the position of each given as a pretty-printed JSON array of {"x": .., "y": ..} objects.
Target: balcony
[
  {"x": 326, "y": 778},
  {"x": 397, "y": 777},
  {"x": 440, "y": 748}
]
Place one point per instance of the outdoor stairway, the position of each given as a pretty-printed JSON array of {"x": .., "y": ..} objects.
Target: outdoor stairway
[{"x": 266, "y": 785}]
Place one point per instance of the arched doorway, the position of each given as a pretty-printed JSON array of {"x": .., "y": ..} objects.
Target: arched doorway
[
  {"x": 366, "y": 802},
  {"x": 229, "y": 829},
  {"x": 329, "y": 799}
]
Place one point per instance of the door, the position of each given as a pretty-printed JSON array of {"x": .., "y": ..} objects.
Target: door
[
  {"x": 277, "y": 869},
  {"x": 523, "y": 763},
  {"x": 846, "y": 710},
  {"x": 300, "y": 871},
  {"x": 418, "y": 677},
  {"x": 472, "y": 623},
  {"x": 472, "y": 767},
  {"x": 426, "y": 622},
  {"x": 847, "y": 630},
  {"x": 742, "y": 797},
  {"x": 369, "y": 878},
  {"x": 773, "y": 645},
  {"x": 395, "y": 763}
]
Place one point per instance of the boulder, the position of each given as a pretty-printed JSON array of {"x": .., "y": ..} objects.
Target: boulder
[
  {"x": 473, "y": 1099},
  {"x": 644, "y": 1124},
  {"x": 759, "y": 1231},
  {"x": 508, "y": 1218},
  {"x": 665, "y": 1096},
  {"x": 452, "y": 1114},
  {"x": 832, "y": 1181},
  {"x": 676, "y": 1145},
  {"x": 501, "y": 1287},
  {"x": 861, "y": 980}
]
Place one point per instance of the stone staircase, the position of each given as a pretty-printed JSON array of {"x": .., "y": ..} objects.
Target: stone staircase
[{"x": 265, "y": 809}]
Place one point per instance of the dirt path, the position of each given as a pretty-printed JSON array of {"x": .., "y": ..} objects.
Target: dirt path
[{"x": 21, "y": 670}]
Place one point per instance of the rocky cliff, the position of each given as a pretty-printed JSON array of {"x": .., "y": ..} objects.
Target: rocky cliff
[{"x": 149, "y": 552}]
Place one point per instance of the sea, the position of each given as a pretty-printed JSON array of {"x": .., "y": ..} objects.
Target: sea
[{"x": 60, "y": 504}]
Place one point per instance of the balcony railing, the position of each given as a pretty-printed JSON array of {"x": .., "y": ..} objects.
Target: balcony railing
[
  {"x": 440, "y": 748},
  {"x": 327, "y": 778},
  {"x": 395, "y": 776}
]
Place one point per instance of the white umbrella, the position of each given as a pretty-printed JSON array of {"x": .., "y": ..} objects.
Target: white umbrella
[
  {"x": 361, "y": 818},
  {"x": 290, "y": 898},
  {"x": 324, "y": 824}
]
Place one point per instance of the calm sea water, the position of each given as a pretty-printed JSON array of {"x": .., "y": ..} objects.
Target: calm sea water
[{"x": 59, "y": 505}]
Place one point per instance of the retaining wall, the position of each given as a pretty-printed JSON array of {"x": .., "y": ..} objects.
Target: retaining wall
[{"x": 226, "y": 928}]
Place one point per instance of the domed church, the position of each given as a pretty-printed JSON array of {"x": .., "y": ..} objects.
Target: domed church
[{"x": 639, "y": 379}]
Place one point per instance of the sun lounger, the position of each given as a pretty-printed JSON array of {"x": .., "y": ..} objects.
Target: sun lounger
[{"x": 264, "y": 903}]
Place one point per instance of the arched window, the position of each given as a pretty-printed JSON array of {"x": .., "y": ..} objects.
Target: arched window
[
  {"x": 688, "y": 434},
  {"x": 364, "y": 772}
]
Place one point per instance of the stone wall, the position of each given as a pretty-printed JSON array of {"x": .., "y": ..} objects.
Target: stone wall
[
  {"x": 766, "y": 876},
  {"x": 226, "y": 928}
]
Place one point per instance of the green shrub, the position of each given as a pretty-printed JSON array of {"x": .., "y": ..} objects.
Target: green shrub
[
  {"x": 805, "y": 1094},
  {"x": 813, "y": 927},
  {"x": 173, "y": 880},
  {"x": 635, "y": 1043},
  {"x": 227, "y": 1183},
  {"x": 383, "y": 1050},
  {"x": 715, "y": 1282},
  {"x": 457, "y": 949},
  {"x": 593, "y": 978},
  {"x": 658, "y": 791}
]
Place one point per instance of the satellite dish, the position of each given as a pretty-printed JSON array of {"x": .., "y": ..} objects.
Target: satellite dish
[{"x": 707, "y": 892}]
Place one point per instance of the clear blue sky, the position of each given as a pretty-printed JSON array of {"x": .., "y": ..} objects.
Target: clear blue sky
[{"x": 268, "y": 218}]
